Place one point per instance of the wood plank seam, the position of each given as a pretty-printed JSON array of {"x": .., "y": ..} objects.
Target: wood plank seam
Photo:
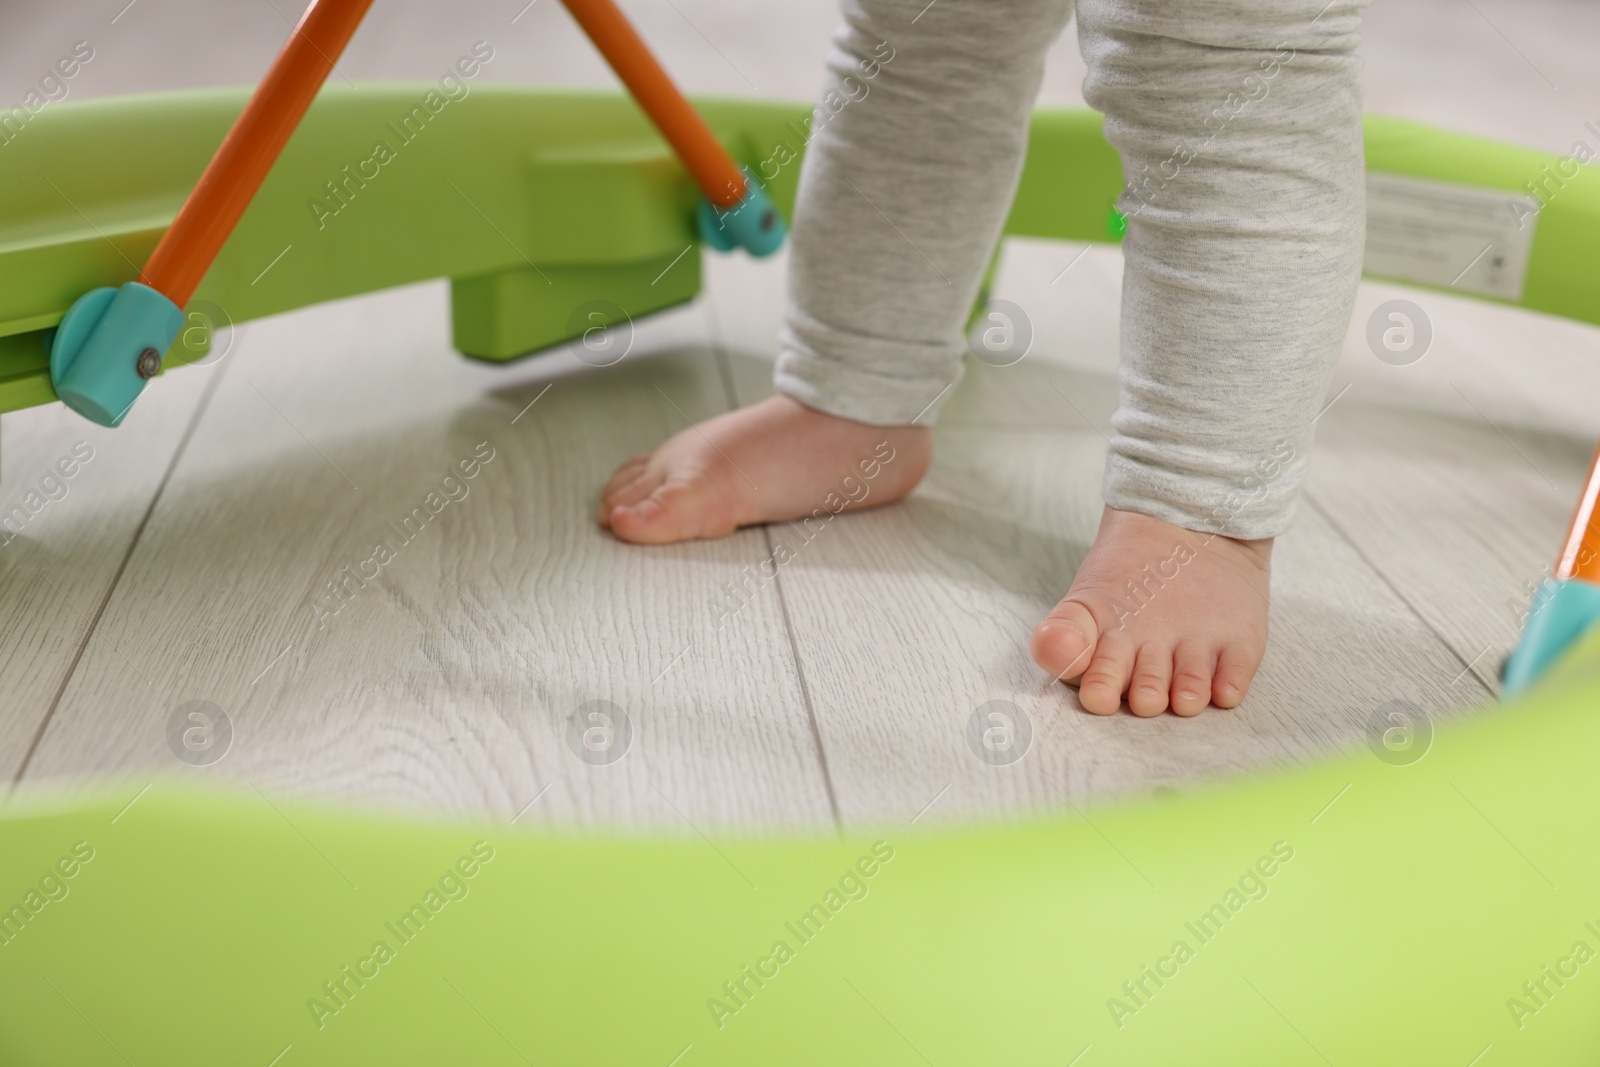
[
  {"x": 805, "y": 687},
  {"x": 1491, "y": 685},
  {"x": 111, "y": 587},
  {"x": 724, "y": 362}
]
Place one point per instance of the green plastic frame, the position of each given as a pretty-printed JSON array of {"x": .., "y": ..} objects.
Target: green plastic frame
[
  {"x": 535, "y": 203},
  {"x": 1353, "y": 912}
]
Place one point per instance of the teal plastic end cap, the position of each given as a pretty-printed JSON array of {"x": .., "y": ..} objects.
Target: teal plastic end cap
[
  {"x": 712, "y": 230},
  {"x": 1563, "y": 611},
  {"x": 754, "y": 223},
  {"x": 95, "y": 354}
]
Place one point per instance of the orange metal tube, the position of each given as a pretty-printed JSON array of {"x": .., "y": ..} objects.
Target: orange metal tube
[
  {"x": 230, "y": 181},
  {"x": 1580, "y": 556},
  {"x": 713, "y": 169}
]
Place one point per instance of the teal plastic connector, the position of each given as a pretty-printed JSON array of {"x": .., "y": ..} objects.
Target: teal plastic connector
[
  {"x": 753, "y": 224},
  {"x": 108, "y": 345},
  {"x": 1563, "y": 611}
]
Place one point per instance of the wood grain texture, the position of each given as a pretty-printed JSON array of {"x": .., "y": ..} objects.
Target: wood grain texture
[
  {"x": 1461, "y": 518},
  {"x": 62, "y": 551},
  {"x": 1456, "y": 475},
  {"x": 447, "y": 680}
]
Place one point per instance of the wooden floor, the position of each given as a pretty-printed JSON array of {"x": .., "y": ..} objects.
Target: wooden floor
[{"x": 186, "y": 560}]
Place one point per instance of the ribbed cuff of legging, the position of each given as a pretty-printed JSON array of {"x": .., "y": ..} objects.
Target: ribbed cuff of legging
[
  {"x": 849, "y": 389},
  {"x": 1258, "y": 504}
]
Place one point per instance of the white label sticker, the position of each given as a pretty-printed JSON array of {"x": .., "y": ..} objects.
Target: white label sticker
[{"x": 1453, "y": 236}]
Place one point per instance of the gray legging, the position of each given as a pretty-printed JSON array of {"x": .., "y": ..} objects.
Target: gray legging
[{"x": 1239, "y": 127}]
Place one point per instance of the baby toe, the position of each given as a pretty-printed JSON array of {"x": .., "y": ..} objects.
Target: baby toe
[
  {"x": 619, "y": 493},
  {"x": 627, "y": 470},
  {"x": 1236, "y": 666},
  {"x": 1191, "y": 678},
  {"x": 674, "y": 511},
  {"x": 1064, "y": 641},
  {"x": 1151, "y": 681},
  {"x": 1101, "y": 688}
]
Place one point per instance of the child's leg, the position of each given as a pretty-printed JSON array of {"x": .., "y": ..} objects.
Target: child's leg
[
  {"x": 914, "y": 157},
  {"x": 904, "y": 197},
  {"x": 1239, "y": 127}
]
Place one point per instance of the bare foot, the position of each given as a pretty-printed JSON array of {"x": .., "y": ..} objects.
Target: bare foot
[
  {"x": 1166, "y": 615},
  {"x": 770, "y": 462}
]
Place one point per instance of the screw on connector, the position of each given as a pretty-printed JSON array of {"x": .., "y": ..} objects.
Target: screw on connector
[{"x": 149, "y": 363}]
